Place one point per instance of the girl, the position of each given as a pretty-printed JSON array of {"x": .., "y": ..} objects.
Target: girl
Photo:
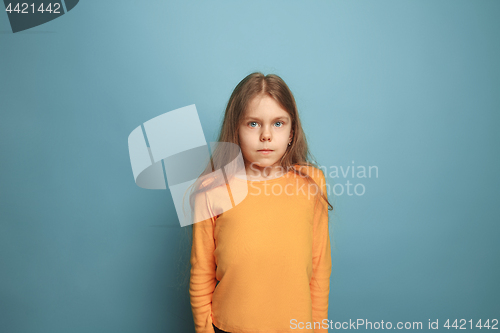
[{"x": 262, "y": 264}]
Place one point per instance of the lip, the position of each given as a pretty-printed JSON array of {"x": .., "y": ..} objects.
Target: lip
[{"x": 265, "y": 151}]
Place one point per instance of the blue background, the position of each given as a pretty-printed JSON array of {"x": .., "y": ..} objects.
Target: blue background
[{"x": 412, "y": 87}]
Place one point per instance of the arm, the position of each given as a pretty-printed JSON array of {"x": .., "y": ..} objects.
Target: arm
[
  {"x": 322, "y": 261},
  {"x": 202, "y": 281}
]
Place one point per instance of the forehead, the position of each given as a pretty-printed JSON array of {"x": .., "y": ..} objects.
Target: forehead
[{"x": 266, "y": 107}]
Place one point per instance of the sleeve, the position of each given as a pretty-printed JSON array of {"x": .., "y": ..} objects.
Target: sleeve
[
  {"x": 322, "y": 261},
  {"x": 202, "y": 280}
]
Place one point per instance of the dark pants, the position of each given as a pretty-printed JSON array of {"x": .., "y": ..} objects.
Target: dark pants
[{"x": 218, "y": 330}]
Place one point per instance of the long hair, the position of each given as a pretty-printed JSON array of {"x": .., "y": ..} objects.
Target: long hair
[{"x": 297, "y": 155}]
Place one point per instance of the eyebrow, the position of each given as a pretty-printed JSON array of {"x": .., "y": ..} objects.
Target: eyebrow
[{"x": 277, "y": 118}]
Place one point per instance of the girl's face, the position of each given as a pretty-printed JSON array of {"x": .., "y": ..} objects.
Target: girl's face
[{"x": 265, "y": 125}]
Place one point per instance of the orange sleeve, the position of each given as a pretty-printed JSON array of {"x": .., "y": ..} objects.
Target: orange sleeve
[
  {"x": 322, "y": 261},
  {"x": 202, "y": 280}
]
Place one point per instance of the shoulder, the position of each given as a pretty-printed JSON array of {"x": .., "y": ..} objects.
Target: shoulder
[
  {"x": 206, "y": 190},
  {"x": 210, "y": 199},
  {"x": 315, "y": 173}
]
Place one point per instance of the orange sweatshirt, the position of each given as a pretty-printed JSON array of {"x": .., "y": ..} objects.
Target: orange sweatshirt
[{"x": 265, "y": 264}]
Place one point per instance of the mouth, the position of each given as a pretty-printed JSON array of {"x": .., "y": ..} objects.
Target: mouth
[{"x": 265, "y": 151}]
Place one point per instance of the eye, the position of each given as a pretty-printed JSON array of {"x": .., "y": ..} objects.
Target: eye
[
  {"x": 280, "y": 122},
  {"x": 252, "y": 122}
]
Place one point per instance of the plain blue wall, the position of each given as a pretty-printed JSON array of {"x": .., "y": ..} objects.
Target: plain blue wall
[{"x": 411, "y": 87}]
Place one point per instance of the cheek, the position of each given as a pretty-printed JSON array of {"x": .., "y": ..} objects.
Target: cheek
[
  {"x": 246, "y": 137},
  {"x": 244, "y": 141}
]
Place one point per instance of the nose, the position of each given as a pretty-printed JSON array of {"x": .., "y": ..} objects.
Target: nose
[{"x": 266, "y": 134}]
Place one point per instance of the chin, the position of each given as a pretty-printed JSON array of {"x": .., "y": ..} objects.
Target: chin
[{"x": 263, "y": 164}]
